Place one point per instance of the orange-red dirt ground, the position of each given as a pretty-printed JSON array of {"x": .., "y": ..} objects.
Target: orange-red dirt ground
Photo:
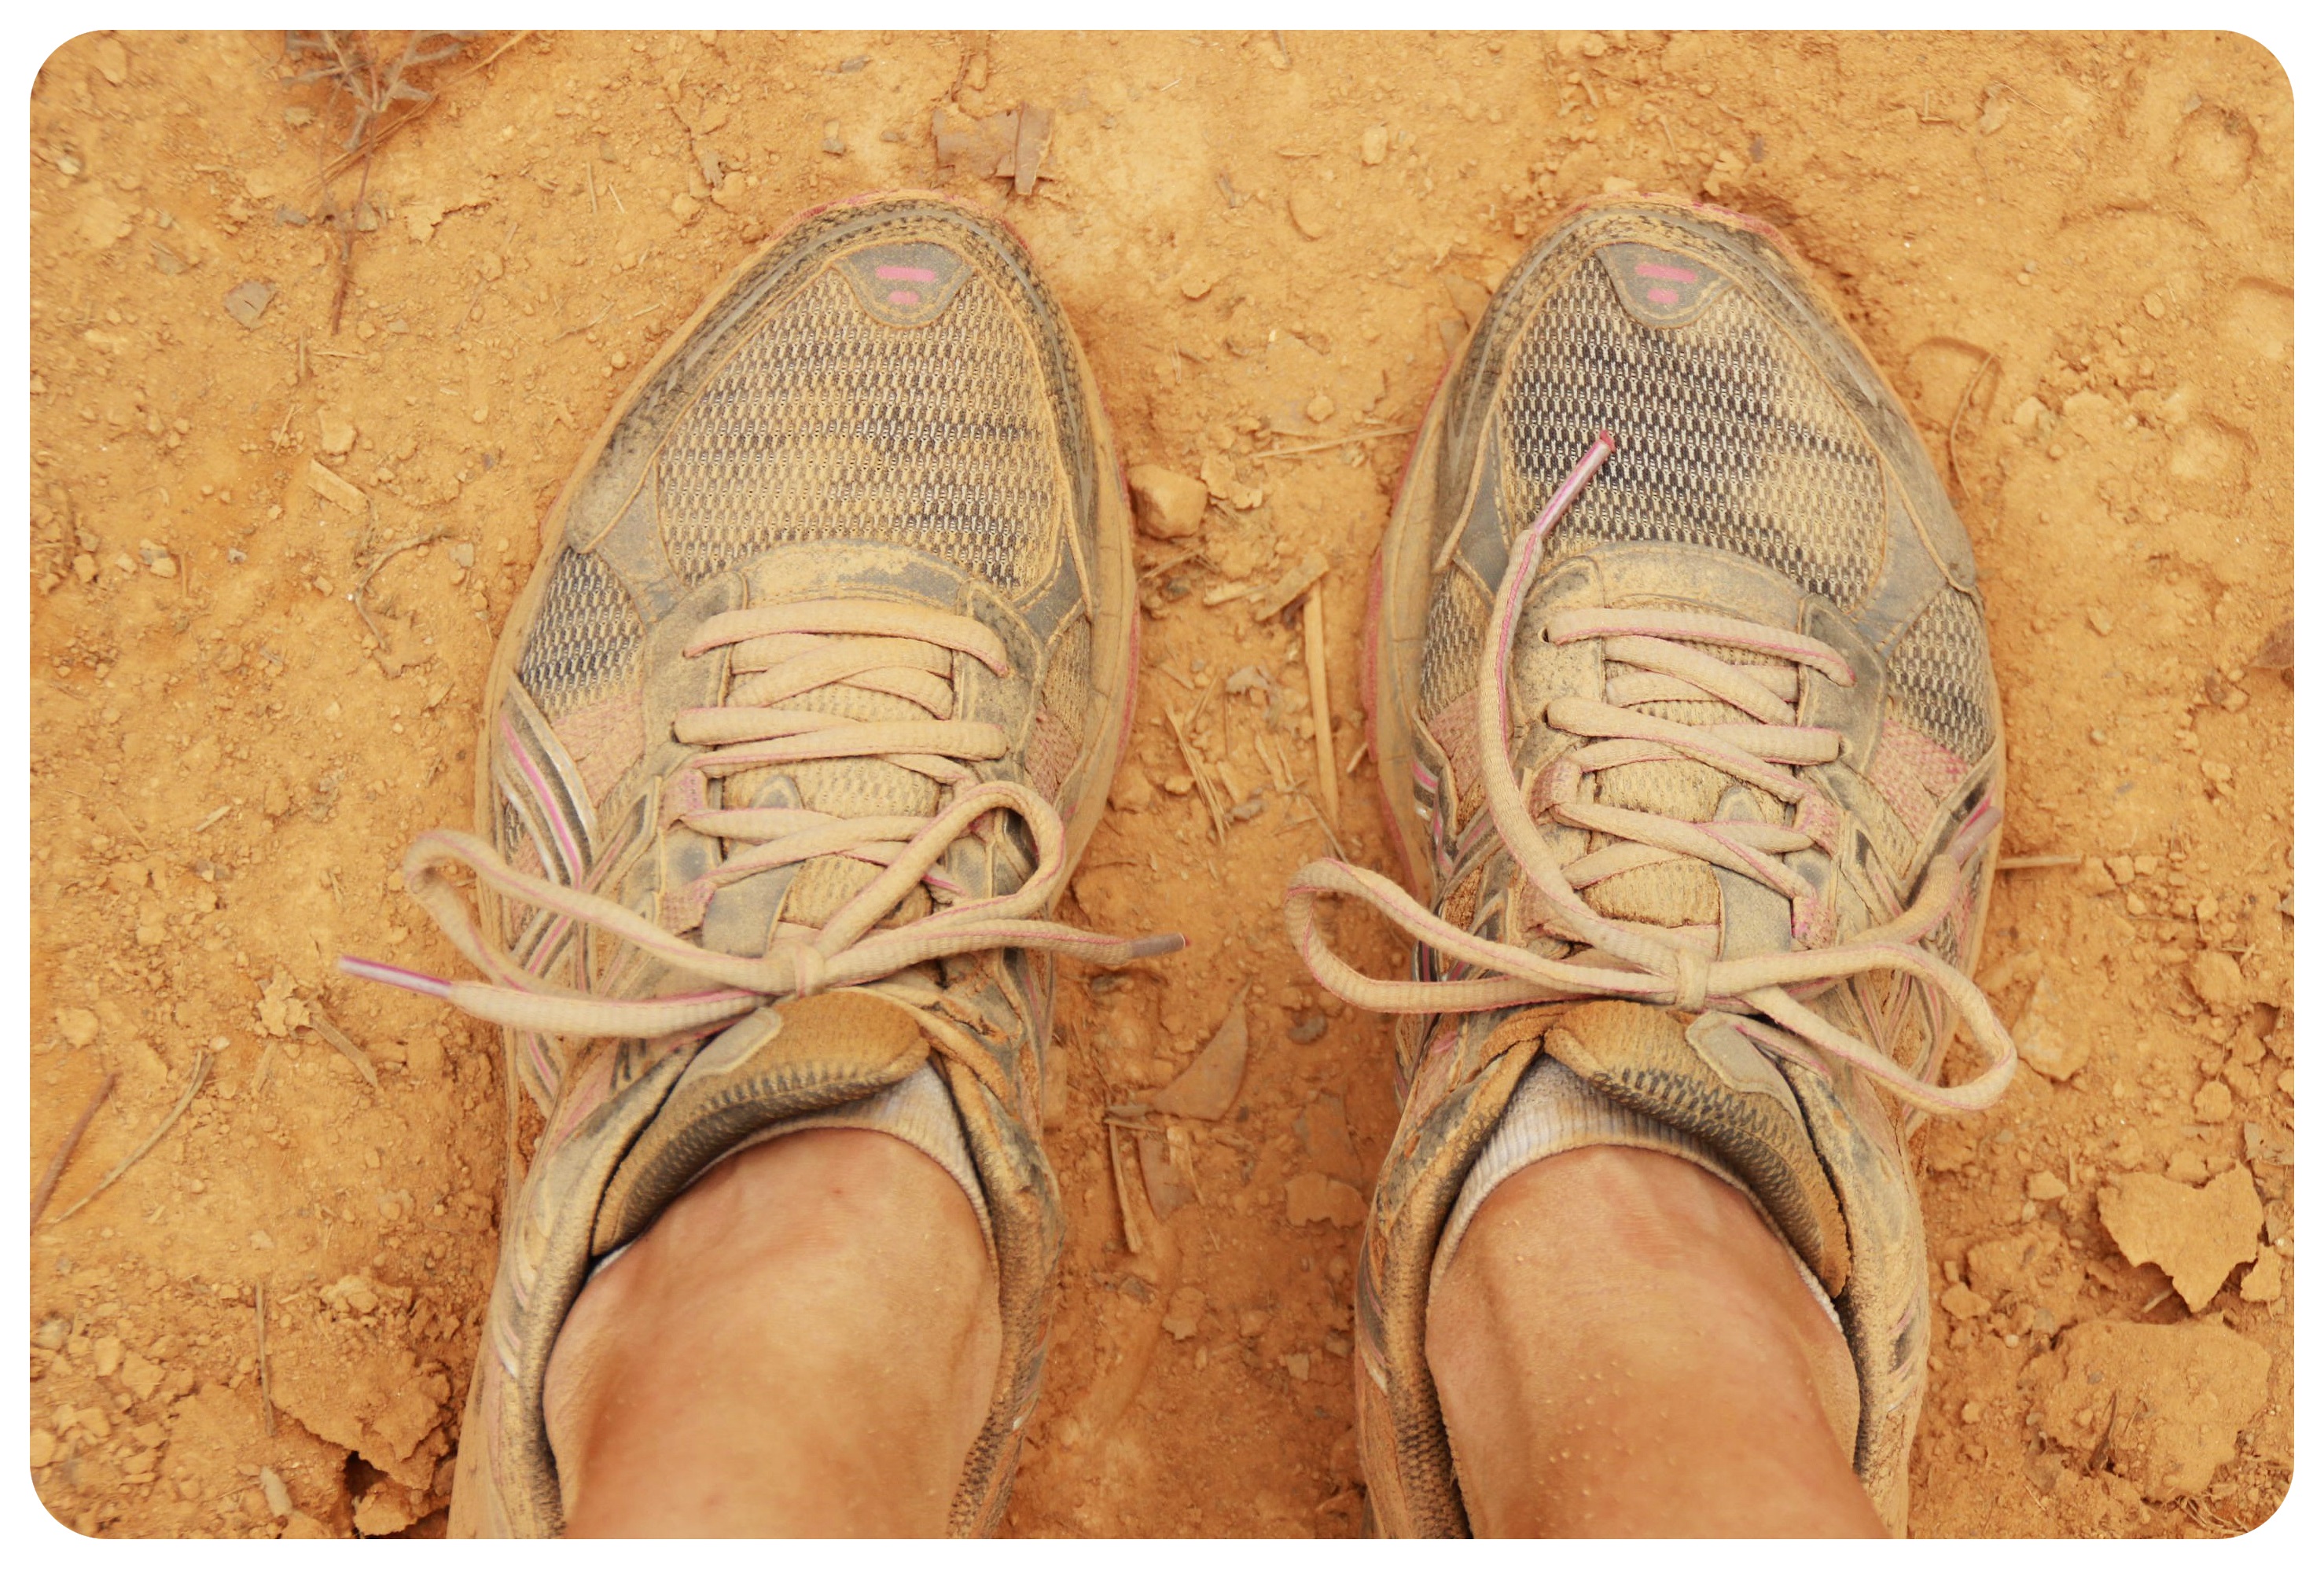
[{"x": 2071, "y": 252}]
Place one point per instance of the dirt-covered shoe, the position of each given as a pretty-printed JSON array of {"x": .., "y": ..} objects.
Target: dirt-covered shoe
[
  {"x": 1679, "y": 687},
  {"x": 790, "y": 745}
]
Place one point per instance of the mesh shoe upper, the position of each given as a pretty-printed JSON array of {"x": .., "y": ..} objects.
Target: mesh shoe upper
[
  {"x": 808, "y": 709},
  {"x": 1699, "y": 718}
]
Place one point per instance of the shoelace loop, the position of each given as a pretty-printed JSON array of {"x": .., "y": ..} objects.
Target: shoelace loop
[
  {"x": 780, "y": 652},
  {"x": 1763, "y": 996}
]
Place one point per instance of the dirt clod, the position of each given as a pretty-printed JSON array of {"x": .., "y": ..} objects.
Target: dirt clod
[{"x": 2196, "y": 1235}]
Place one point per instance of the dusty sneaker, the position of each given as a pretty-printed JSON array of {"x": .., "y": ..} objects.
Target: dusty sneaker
[
  {"x": 790, "y": 745},
  {"x": 1679, "y": 687}
]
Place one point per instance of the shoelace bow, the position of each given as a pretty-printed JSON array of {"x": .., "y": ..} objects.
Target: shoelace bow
[
  {"x": 1763, "y": 996},
  {"x": 781, "y": 652}
]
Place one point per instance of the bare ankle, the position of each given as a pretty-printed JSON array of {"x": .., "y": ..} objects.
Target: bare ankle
[
  {"x": 1614, "y": 1322},
  {"x": 839, "y": 1276}
]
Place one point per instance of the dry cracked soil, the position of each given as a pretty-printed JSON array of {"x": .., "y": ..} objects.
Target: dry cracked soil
[{"x": 260, "y": 364}]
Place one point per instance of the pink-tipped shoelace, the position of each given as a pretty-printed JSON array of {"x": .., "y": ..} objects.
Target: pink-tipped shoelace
[
  {"x": 1763, "y": 996},
  {"x": 780, "y": 652}
]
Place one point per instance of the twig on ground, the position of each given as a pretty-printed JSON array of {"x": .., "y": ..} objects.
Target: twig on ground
[
  {"x": 347, "y": 1048},
  {"x": 1953, "y": 459},
  {"x": 48, "y": 1183},
  {"x": 1340, "y": 442},
  {"x": 377, "y": 561},
  {"x": 193, "y": 1083},
  {"x": 1319, "y": 698},
  {"x": 1194, "y": 767},
  {"x": 1317, "y": 818},
  {"x": 265, "y": 1385}
]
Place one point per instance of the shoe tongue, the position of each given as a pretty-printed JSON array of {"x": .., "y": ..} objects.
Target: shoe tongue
[
  {"x": 1682, "y": 892},
  {"x": 851, "y": 787}
]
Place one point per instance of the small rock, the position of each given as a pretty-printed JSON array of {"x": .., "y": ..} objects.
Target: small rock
[
  {"x": 833, "y": 143},
  {"x": 53, "y": 1333},
  {"x": 1321, "y": 408},
  {"x": 2218, "y": 979},
  {"x": 77, "y": 1025},
  {"x": 247, "y": 302},
  {"x": 299, "y": 114},
  {"x": 1169, "y": 505},
  {"x": 383, "y": 1512},
  {"x": 1132, "y": 790},
  {"x": 140, "y": 1377},
  {"x": 1297, "y": 1365},
  {"x": 1220, "y": 479},
  {"x": 1312, "y": 1196},
  {"x": 2264, "y": 1281},
  {"x": 1308, "y": 1030},
  {"x": 112, "y": 61},
  {"x": 685, "y": 207},
  {"x": 2197, "y": 1235},
  {"x": 1963, "y": 1302},
  {"x": 1251, "y": 1323},
  {"x": 278, "y": 1497},
  {"x": 2262, "y": 1142},
  {"x": 109, "y": 1355},
  {"x": 1375, "y": 143},
  {"x": 338, "y": 431},
  {"x": 2046, "y": 1042},
  {"x": 305, "y": 1527},
  {"x": 1186, "y": 1314},
  {"x": 1309, "y": 212},
  {"x": 2214, "y": 1102},
  {"x": 43, "y": 1447},
  {"x": 1179, "y": 784},
  {"x": 2044, "y": 1187},
  {"x": 354, "y": 1293}
]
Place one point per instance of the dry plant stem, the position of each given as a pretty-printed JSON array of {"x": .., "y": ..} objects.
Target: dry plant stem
[
  {"x": 193, "y": 1083},
  {"x": 48, "y": 1184},
  {"x": 1951, "y": 460},
  {"x": 1340, "y": 442},
  {"x": 357, "y": 599},
  {"x": 1195, "y": 768},
  {"x": 348, "y": 1048},
  {"x": 1319, "y": 698},
  {"x": 379, "y": 135},
  {"x": 265, "y": 1385}
]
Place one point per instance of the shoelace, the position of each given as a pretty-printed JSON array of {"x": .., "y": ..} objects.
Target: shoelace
[
  {"x": 1763, "y": 996},
  {"x": 781, "y": 652}
]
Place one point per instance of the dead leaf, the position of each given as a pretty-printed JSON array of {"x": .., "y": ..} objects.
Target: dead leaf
[
  {"x": 1168, "y": 1188},
  {"x": 1294, "y": 583},
  {"x": 1032, "y": 145},
  {"x": 247, "y": 302},
  {"x": 1207, "y": 1088}
]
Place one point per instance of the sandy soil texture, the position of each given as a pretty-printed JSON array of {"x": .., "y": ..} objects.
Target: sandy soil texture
[{"x": 293, "y": 437}]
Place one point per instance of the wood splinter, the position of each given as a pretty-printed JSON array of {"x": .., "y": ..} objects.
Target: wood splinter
[{"x": 1319, "y": 698}]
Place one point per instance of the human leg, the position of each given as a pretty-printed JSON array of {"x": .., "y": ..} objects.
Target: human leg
[
  {"x": 803, "y": 1344},
  {"x": 1622, "y": 1349}
]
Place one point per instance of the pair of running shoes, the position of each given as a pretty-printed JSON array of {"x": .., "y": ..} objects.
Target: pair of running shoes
[{"x": 1678, "y": 690}]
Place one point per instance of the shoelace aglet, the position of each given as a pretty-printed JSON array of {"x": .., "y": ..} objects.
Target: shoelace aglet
[
  {"x": 1156, "y": 946},
  {"x": 1563, "y": 496},
  {"x": 395, "y": 976}
]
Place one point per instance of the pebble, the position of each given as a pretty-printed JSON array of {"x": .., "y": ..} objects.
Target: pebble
[
  {"x": 108, "y": 1356},
  {"x": 78, "y": 1025},
  {"x": 2214, "y": 1102},
  {"x": 2044, "y": 1187},
  {"x": 1963, "y": 1302},
  {"x": 43, "y": 1448},
  {"x": 2264, "y": 1281},
  {"x": 1169, "y": 504},
  {"x": 1375, "y": 143}
]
